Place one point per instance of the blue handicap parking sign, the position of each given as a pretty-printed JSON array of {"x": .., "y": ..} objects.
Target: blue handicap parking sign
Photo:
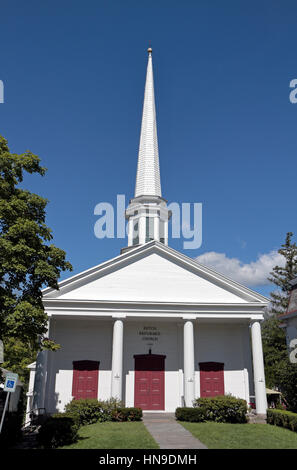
[{"x": 10, "y": 383}]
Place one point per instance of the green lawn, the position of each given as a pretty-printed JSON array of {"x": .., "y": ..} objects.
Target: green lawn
[
  {"x": 242, "y": 436},
  {"x": 131, "y": 435}
]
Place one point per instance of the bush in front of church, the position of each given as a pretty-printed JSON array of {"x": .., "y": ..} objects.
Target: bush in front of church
[
  {"x": 223, "y": 409},
  {"x": 90, "y": 410},
  {"x": 58, "y": 430},
  {"x": 193, "y": 415},
  {"x": 127, "y": 414},
  {"x": 285, "y": 419}
]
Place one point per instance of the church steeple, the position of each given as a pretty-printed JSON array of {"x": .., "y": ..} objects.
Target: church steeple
[
  {"x": 147, "y": 212},
  {"x": 148, "y": 172}
]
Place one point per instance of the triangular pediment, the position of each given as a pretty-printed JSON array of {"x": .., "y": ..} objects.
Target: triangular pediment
[{"x": 153, "y": 273}]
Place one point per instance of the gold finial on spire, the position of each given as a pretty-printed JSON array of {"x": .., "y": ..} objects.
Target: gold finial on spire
[{"x": 150, "y": 50}]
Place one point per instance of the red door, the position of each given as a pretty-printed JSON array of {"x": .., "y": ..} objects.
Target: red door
[
  {"x": 211, "y": 379},
  {"x": 85, "y": 379},
  {"x": 149, "y": 382}
]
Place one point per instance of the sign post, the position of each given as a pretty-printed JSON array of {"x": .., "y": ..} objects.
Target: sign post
[{"x": 9, "y": 387}]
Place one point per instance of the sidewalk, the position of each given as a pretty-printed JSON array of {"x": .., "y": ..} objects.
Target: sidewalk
[{"x": 168, "y": 433}]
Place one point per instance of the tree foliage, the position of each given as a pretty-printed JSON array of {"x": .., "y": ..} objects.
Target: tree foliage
[
  {"x": 28, "y": 261},
  {"x": 279, "y": 372},
  {"x": 274, "y": 349},
  {"x": 280, "y": 276}
]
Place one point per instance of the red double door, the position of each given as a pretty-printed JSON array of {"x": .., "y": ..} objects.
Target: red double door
[
  {"x": 149, "y": 382},
  {"x": 211, "y": 379},
  {"x": 85, "y": 379}
]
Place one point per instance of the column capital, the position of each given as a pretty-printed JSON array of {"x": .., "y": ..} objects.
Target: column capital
[
  {"x": 256, "y": 320},
  {"x": 119, "y": 316},
  {"x": 190, "y": 317}
]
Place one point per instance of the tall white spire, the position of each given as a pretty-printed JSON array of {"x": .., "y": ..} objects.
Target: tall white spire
[
  {"x": 147, "y": 212},
  {"x": 148, "y": 171}
]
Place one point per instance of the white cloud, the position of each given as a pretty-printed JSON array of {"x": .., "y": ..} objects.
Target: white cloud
[{"x": 254, "y": 273}]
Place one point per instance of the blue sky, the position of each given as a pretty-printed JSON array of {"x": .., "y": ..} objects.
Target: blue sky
[{"x": 73, "y": 75}]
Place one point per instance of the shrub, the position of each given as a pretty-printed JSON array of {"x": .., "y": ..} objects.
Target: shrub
[
  {"x": 11, "y": 432},
  {"x": 223, "y": 409},
  {"x": 127, "y": 414},
  {"x": 114, "y": 403},
  {"x": 280, "y": 406},
  {"x": 58, "y": 430},
  {"x": 12, "y": 425},
  {"x": 194, "y": 415},
  {"x": 285, "y": 419},
  {"x": 89, "y": 410}
]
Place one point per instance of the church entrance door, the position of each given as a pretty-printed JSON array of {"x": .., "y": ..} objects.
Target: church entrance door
[
  {"x": 85, "y": 379},
  {"x": 149, "y": 391},
  {"x": 211, "y": 379}
]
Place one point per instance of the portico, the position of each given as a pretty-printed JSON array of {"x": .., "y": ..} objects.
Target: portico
[{"x": 181, "y": 367}]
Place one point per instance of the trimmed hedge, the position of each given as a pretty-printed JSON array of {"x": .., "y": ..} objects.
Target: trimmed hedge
[
  {"x": 127, "y": 414},
  {"x": 194, "y": 415},
  {"x": 223, "y": 409},
  {"x": 285, "y": 419},
  {"x": 58, "y": 430}
]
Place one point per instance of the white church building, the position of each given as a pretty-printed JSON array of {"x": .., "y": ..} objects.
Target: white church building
[{"x": 152, "y": 326}]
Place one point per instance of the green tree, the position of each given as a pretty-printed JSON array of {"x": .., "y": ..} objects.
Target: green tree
[
  {"x": 286, "y": 381},
  {"x": 274, "y": 349},
  {"x": 28, "y": 262},
  {"x": 280, "y": 276},
  {"x": 279, "y": 372}
]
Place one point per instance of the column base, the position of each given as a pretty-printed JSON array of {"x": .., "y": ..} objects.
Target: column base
[{"x": 257, "y": 418}]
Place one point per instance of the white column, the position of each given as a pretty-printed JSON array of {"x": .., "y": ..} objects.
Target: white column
[
  {"x": 130, "y": 232},
  {"x": 40, "y": 378},
  {"x": 189, "y": 363},
  {"x": 117, "y": 360},
  {"x": 156, "y": 228},
  {"x": 166, "y": 233},
  {"x": 141, "y": 229},
  {"x": 29, "y": 394},
  {"x": 258, "y": 365}
]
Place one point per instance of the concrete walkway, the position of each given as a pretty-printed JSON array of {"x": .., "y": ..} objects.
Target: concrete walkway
[{"x": 168, "y": 433}]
